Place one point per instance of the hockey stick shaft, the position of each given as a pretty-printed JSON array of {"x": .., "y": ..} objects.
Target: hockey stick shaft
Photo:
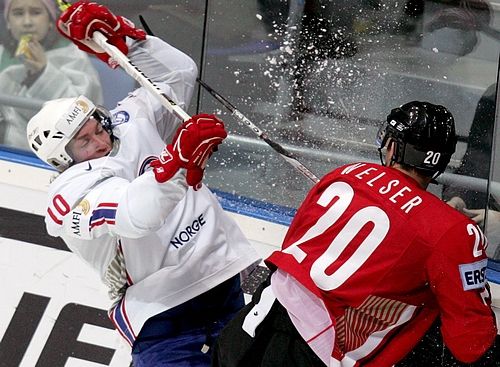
[
  {"x": 285, "y": 154},
  {"x": 170, "y": 105},
  {"x": 136, "y": 73},
  {"x": 132, "y": 70}
]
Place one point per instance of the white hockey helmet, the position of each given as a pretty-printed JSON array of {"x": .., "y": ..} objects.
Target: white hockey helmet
[{"x": 53, "y": 127}]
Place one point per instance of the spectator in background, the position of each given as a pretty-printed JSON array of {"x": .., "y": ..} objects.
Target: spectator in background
[
  {"x": 455, "y": 28},
  {"x": 36, "y": 63},
  {"x": 476, "y": 163},
  {"x": 325, "y": 33}
]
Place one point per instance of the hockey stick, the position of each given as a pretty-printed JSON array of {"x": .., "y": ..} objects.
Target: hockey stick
[
  {"x": 285, "y": 154},
  {"x": 133, "y": 70},
  {"x": 168, "y": 103},
  {"x": 288, "y": 156}
]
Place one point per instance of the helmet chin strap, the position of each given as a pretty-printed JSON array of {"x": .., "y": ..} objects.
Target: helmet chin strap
[
  {"x": 390, "y": 146},
  {"x": 381, "y": 156},
  {"x": 106, "y": 121},
  {"x": 116, "y": 145}
]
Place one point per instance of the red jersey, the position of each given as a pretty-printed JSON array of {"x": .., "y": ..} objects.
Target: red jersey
[{"x": 386, "y": 258}]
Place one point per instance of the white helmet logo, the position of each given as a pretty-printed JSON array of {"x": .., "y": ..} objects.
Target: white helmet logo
[
  {"x": 83, "y": 105},
  {"x": 75, "y": 117}
]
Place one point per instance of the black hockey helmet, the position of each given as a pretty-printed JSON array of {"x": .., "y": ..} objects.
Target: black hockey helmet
[{"x": 424, "y": 134}]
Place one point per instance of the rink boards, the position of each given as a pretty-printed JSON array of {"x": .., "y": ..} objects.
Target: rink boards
[{"x": 53, "y": 307}]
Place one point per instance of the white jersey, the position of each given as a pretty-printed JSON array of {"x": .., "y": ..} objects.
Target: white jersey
[{"x": 155, "y": 245}]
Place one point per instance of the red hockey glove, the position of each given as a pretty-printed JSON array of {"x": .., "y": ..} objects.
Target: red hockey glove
[
  {"x": 191, "y": 147},
  {"x": 82, "y": 19}
]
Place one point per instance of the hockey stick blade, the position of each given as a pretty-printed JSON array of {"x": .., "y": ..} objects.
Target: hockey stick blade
[
  {"x": 145, "y": 25},
  {"x": 285, "y": 154}
]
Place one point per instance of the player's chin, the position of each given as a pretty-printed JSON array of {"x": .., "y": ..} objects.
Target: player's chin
[
  {"x": 108, "y": 150},
  {"x": 101, "y": 153}
]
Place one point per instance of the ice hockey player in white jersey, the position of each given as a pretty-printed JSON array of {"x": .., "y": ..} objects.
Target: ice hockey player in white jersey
[{"x": 135, "y": 210}]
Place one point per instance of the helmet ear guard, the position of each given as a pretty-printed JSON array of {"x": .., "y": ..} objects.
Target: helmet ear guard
[{"x": 424, "y": 134}]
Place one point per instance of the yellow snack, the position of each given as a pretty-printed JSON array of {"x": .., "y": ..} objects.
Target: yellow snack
[{"x": 22, "y": 50}]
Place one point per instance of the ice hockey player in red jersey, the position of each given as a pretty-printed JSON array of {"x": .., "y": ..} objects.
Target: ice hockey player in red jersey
[{"x": 370, "y": 262}]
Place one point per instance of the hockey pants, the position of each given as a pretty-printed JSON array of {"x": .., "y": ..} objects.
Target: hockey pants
[{"x": 276, "y": 343}]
